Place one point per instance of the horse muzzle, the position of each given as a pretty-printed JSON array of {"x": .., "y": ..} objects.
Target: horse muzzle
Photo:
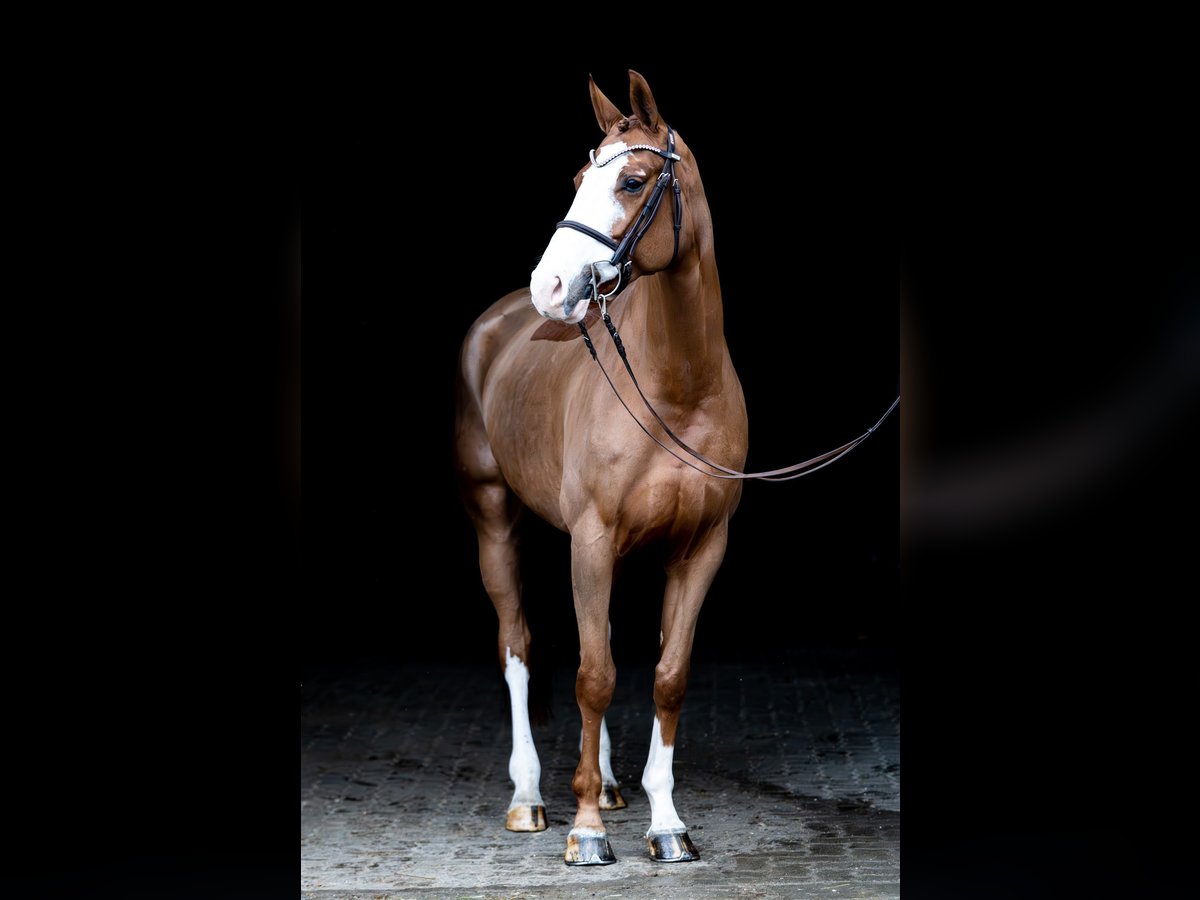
[{"x": 569, "y": 303}]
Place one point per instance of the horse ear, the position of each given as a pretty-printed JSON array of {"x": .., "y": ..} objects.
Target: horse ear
[
  {"x": 607, "y": 114},
  {"x": 642, "y": 101}
]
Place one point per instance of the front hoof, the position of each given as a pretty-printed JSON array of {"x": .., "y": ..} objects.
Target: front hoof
[
  {"x": 672, "y": 846},
  {"x": 526, "y": 818},
  {"x": 588, "y": 847},
  {"x": 610, "y": 797}
]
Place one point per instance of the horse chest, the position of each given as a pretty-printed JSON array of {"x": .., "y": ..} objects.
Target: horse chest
[
  {"x": 653, "y": 502},
  {"x": 659, "y": 502}
]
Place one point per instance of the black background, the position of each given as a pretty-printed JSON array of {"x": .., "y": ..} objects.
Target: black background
[
  {"x": 1020, "y": 234},
  {"x": 1009, "y": 215}
]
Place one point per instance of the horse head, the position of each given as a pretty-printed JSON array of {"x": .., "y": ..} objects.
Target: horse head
[{"x": 617, "y": 196}]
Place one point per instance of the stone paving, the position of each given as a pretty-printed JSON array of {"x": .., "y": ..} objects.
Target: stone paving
[{"x": 787, "y": 775}]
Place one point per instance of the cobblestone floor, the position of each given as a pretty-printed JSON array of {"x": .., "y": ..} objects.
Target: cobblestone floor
[{"x": 787, "y": 776}]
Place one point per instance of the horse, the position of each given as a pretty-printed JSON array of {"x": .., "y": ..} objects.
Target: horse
[{"x": 537, "y": 429}]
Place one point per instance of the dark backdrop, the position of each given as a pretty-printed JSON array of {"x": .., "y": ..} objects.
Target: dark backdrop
[
  {"x": 441, "y": 195},
  {"x": 1031, "y": 183},
  {"x": 1014, "y": 230}
]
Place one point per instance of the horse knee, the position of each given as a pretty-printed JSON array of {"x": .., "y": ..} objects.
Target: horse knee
[
  {"x": 516, "y": 640},
  {"x": 670, "y": 685},
  {"x": 594, "y": 685},
  {"x": 494, "y": 509}
]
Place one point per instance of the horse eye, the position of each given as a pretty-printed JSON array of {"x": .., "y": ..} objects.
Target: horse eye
[{"x": 633, "y": 185}]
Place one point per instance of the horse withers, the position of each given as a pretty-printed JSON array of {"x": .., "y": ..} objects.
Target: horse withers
[{"x": 538, "y": 429}]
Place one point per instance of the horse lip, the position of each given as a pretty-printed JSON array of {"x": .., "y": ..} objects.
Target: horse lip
[{"x": 580, "y": 291}]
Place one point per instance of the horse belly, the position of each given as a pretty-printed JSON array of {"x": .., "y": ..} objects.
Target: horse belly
[{"x": 523, "y": 412}]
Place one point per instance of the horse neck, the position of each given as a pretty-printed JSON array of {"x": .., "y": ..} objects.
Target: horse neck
[{"x": 675, "y": 332}]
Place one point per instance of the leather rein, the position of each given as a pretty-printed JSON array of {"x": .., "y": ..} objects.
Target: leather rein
[{"x": 622, "y": 260}]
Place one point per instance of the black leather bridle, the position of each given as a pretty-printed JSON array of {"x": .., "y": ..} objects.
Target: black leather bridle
[{"x": 622, "y": 258}]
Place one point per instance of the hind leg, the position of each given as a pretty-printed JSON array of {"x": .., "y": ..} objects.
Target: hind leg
[
  {"x": 494, "y": 510},
  {"x": 610, "y": 791}
]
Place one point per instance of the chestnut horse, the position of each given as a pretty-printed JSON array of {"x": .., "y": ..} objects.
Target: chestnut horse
[{"x": 538, "y": 428}]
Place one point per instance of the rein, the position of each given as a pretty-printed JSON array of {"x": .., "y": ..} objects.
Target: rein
[
  {"x": 622, "y": 260},
  {"x": 788, "y": 473}
]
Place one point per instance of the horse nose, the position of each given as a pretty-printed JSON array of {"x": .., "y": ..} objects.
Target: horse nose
[{"x": 546, "y": 291}]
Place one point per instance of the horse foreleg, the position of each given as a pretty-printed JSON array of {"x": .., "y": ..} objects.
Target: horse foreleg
[
  {"x": 526, "y": 812},
  {"x": 591, "y": 576},
  {"x": 688, "y": 581},
  {"x": 610, "y": 791}
]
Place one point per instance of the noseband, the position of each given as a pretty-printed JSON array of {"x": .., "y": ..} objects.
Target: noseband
[{"x": 622, "y": 258}]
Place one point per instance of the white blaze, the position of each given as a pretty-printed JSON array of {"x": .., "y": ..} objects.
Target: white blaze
[
  {"x": 658, "y": 781},
  {"x": 569, "y": 251},
  {"x": 523, "y": 766}
]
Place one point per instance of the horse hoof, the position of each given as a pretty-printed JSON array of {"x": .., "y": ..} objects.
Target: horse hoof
[
  {"x": 526, "y": 818},
  {"x": 610, "y": 797},
  {"x": 672, "y": 846},
  {"x": 588, "y": 847}
]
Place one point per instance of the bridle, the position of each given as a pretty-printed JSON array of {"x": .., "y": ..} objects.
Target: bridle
[{"x": 622, "y": 260}]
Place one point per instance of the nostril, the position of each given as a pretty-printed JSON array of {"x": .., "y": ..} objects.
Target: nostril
[{"x": 556, "y": 291}]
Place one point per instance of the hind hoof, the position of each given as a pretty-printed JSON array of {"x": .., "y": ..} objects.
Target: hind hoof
[
  {"x": 610, "y": 797},
  {"x": 587, "y": 847},
  {"x": 672, "y": 846},
  {"x": 526, "y": 818}
]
